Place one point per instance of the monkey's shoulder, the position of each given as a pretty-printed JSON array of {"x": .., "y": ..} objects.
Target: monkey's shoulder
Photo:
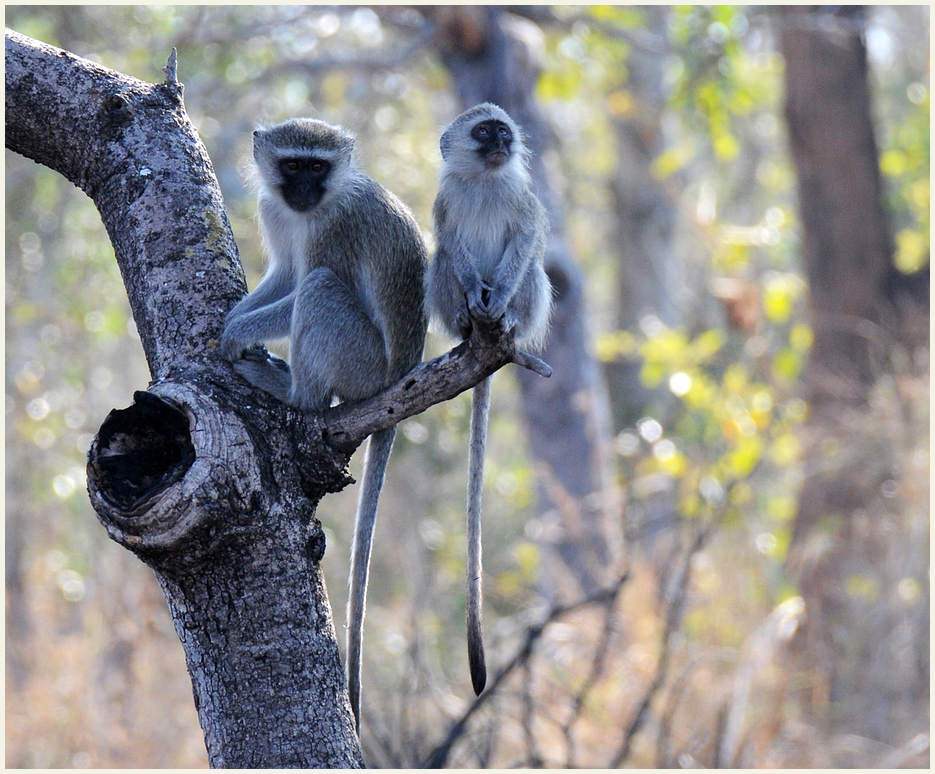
[
  {"x": 378, "y": 202},
  {"x": 379, "y": 211},
  {"x": 369, "y": 220},
  {"x": 531, "y": 208}
]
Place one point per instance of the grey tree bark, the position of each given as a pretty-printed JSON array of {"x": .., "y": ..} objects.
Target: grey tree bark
[{"x": 211, "y": 484}]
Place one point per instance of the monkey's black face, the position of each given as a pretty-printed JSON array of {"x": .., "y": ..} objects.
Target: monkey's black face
[
  {"x": 493, "y": 139},
  {"x": 303, "y": 181}
]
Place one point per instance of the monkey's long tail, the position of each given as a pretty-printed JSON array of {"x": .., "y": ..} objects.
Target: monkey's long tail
[
  {"x": 378, "y": 453},
  {"x": 480, "y": 407}
]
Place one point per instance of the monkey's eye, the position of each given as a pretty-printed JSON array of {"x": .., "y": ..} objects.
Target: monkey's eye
[
  {"x": 504, "y": 132},
  {"x": 292, "y": 165},
  {"x": 318, "y": 166},
  {"x": 482, "y": 131}
]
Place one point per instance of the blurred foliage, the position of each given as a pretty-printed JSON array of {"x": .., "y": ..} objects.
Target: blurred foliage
[
  {"x": 720, "y": 82},
  {"x": 95, "y": 676},
  {"x": 906, "y": 164}
]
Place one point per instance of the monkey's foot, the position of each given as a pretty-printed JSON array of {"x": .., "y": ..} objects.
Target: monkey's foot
[{"x": 270, "y": 374}]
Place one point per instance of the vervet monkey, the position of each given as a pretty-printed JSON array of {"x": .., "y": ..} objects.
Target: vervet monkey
[
  {"x": 345, "y": 282},
  {"x": 491, "y": 233}
]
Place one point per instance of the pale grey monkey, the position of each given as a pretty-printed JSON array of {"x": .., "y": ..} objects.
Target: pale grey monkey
[
  {"x": 345, "y": 283},
  {"x": 491, "y": 232}
]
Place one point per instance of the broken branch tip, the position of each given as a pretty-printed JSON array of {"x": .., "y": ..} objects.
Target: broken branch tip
[
  {"x": 171, "y": 68},
  {"x": 533, "y": 363}
]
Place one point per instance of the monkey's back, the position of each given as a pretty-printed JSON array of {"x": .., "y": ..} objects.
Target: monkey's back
[{"x": 383, "y": 258}]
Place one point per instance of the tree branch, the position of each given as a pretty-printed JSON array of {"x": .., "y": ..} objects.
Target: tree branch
[{"x": 441, "y": 379}]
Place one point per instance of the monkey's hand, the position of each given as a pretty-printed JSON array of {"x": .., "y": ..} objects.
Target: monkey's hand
[
  {"x": 233, "y": 347},
  {"x": 278, "y": 362},
  {"x": 497, "y": 304},
  {"x": 230, "y": 349},
  {"x": 259, "y": 354},
  {"x": 256, "y": 354},
  {"x": 483, "y": 303}
]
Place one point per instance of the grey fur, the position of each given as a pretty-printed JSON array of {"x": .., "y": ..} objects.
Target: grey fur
[
  {"x": 491, "y": 232},
  {"x": 345, "y": 282}
]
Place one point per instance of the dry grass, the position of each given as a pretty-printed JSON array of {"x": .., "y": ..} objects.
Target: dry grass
[{"x": 98, "y": 682}]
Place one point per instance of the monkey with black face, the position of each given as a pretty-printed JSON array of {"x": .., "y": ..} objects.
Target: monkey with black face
[
  {"x": 345, "y": 283},
  {"x": 491, "y": 232}
]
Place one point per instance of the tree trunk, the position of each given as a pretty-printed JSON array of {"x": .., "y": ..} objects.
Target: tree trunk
[
  {"x": 846, "y": 243},
  {"x": 647, "y": 268},
  {"x": 492, "y": 57},
  {"x": 852, "y": 545},
  {"x": 647, "y": 275},
  {"x": 212, "y": 484}
]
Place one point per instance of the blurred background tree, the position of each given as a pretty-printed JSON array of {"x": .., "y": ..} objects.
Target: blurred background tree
[{"x": 771, "y": 531}]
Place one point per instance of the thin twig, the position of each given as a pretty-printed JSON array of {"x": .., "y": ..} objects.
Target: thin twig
[
  {"x": 673, "y": 616},
  {"x": 597, "y": 669},
  {"x": 533, "y": 757}
]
